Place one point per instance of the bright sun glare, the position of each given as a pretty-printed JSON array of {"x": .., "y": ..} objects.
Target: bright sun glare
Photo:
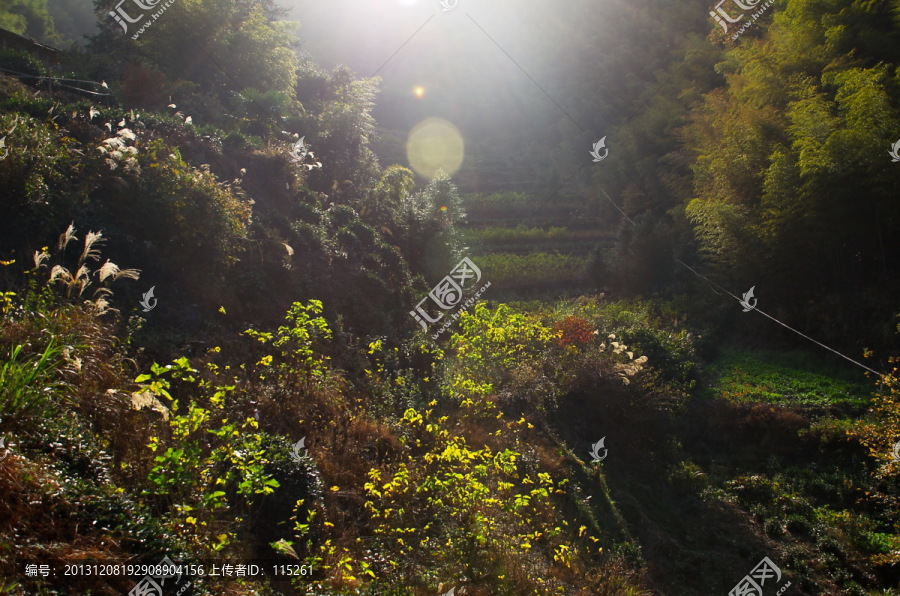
[
  {"x": 419, "y": 91},
  {"x": 435, "y": 144}
]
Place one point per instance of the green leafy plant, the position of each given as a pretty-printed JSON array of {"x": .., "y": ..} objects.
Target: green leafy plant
[
  {"x": 28, "y": 382},
  {"x": 466, "y": 509},
  {"x": 208, "y": 469},
  {"x": 295, "y": 343}
]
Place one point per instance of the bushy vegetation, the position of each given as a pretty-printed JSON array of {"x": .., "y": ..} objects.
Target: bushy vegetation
[
  {"x": 208, "y": 453},
  {"x": 276, "y": 400}
]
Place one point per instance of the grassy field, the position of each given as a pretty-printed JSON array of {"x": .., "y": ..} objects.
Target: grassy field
[
  {"x": 526, "y": 257},
  {"x": 538, "y": 269},
  {"x": 542, "y": 209},
  {"x": 793, "y": 379},
  {"x": 523, "y": 239}
]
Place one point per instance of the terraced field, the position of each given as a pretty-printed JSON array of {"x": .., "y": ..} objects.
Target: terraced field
[{"x": 530, "y": 247}]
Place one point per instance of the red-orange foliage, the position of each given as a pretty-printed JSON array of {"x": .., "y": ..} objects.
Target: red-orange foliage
[{"x": 575, "y": 331}]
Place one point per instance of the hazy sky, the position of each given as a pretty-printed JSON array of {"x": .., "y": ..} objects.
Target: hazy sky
[
  {"x": 448, "y": 64},
  {"x": 365, "y": 33},
  {"x": 470, "y": 65}
]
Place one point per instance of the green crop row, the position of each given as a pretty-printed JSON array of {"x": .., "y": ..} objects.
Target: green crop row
[
  {"x": 539, "y": 267},
  {"x": 520, "y": 233}
]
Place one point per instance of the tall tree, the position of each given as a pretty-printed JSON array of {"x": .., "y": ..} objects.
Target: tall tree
[
  {"x": 220, "y": 46},
  {"x": 28, "y": 17},
  {"x": 790, "y": 162}
]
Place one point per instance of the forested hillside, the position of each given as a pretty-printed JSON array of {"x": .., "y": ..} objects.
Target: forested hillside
[{"x": 426, "y": 297}]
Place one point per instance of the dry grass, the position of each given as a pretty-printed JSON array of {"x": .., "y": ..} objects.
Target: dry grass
[
  {"x": 75, "y": 284},
  {"x": 43, "y": 527}
]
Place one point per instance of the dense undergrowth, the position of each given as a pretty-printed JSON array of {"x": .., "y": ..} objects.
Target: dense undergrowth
[
  {"x": 279, "y": 403},
  {"x": 428, "y": 466}
]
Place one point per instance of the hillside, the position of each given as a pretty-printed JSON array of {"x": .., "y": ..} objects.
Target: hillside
[{"x": 421, "y": 298}]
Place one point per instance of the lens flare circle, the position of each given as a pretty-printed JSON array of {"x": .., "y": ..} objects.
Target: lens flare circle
[{"x": 435, "y": 144}]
